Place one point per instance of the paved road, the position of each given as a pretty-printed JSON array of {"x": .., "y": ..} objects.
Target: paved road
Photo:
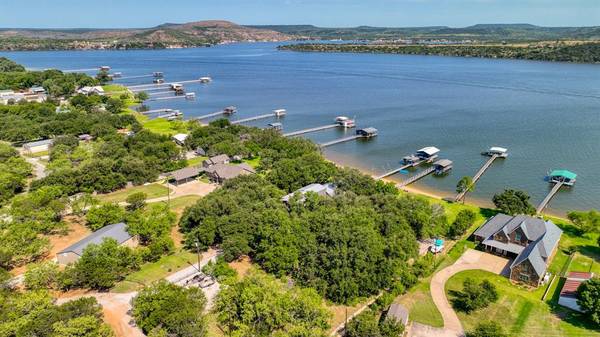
[{"x": 471, "y": 259}]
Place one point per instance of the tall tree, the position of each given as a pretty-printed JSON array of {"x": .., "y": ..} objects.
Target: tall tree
[
  {"x": 588, "y": 298},
  {"x": 465, "y": 185},
  {"x": 514, "y": 202}
]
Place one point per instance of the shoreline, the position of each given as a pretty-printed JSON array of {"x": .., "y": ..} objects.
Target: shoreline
[{"x": 430, "y": 193}]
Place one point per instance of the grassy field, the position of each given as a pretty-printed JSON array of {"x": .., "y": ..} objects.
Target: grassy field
[
  {"x": 520, "y": 310},
  {"x": 155, "y": 271},
  {"x": 179, "y": 204},
  {"x": 196, "y": 161},
  {"x": 151, "y": 190}
]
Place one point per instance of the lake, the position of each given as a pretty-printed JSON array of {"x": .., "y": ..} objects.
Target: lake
[{"x": 546, "y": 114}]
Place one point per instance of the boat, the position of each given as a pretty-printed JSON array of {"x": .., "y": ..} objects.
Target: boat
[
  {"x": 496, "y": 150},
  {"x": 345, "y": 122}
]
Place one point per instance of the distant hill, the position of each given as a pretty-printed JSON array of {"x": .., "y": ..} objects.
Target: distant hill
[
  {"x": 482, "y": 32},
  {"x": 167, "y": 35}
]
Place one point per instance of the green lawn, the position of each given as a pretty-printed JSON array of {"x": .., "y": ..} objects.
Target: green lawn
[
  {"x": 155, "y": 271},
  {"x": 38, "y": 154},
  {"x": 254, "y": 162},
  {"x": 163, "y": 126},
  {"x": 196, "y": 161},
  {"x": 152, "y": 190},
  {"x": 520, "y": 310},
  {"x": 179, "y": 204}
]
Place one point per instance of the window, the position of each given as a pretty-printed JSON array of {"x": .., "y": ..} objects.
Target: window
[
  {"x": 524, "y": 277},
  {"x": 518, "y": 236}
]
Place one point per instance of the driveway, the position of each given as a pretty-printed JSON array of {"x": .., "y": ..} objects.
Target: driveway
[{"x": 471, "y": 259}]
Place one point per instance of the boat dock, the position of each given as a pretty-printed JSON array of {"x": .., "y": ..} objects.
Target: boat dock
[
  {"x": 440, "y": 167},
  {"x": 559, "y": 178},
  {"x": 315, "y": 129},
  {"x": 143, "y": 87},
  {"x": 549, "y": 197},
  {"x": 394, "y": 171},
  {"x": 133, "y": 77},
  {"x": 366, "y": 133},
  {"x": 230, "y": 110},
  {"x": 416, "y": 177},
  {"x": 158, "y": 111},
  {"x": 276, "y": 113},
  {"x": 186, "y": 96}
]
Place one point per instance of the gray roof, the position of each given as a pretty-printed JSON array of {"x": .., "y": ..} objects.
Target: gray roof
[
  {"x": 320, "y": 189},
  {"x": 226, "y": 171},
  {"x": 39, "y": 143},
  {"x": 398, "y": 312},
  {"x": 443, "y": 162},
  {"x": 544, "y": 237},
  {"x": 116, "y": 231},
  {"x": 186, "y": 173},
  {"x": 369, "y": 130}
]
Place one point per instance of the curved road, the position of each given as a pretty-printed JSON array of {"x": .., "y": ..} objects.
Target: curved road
[{"x": 471, "y": 259}]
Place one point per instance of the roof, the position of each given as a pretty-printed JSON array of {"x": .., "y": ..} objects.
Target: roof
[
  {"x": 563, "y": 173},
  {"x": 180, "y": 137},
  {"x": 222, "y": 158},
  {"x": 492, "y": 226},
  {"x": 398, "y": 312},
  {"x": 574, "y": 280},
  {"x": 186, "y": 173},
  {"x": 369, "y": 130},
  {"x": 498, "y": 149},
  {"x": 116, "y": 231},
  {"x": 226, "y": 171},
  {"x": 509, "y": 247},
  {"x": 320, "y": 189},
  {"x": 443, "y": 162},
  {"x": 39, "y": 143},
  {"x": 580, "y": 275},
  {"x": 429, "y": 150}
]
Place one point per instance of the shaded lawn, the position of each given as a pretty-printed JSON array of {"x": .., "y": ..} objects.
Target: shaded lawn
[
  {"x": 177, "y": 205},
  {"x": 155, "y": 271},
  {"x": 152, "y": 191},
  {"x": 196, "y": 161},
  {"x": 520, "y": 310}
]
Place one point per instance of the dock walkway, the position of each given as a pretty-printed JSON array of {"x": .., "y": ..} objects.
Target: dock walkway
[
  {"x": 478, "y": 175},
  {"x": 249, "y": 119},
  {"x": 416, "y": 177},
  {"x": 157, "y": 111},
  {"x": 549, "y": 197},
  {"x": 315, "y": 129},
  {"x": 341, "y": 140},
  {"x": 141, "y": 87},
  {"x": 218, "y": 113}
]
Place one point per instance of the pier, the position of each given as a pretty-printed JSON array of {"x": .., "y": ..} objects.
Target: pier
[
  {"x": 440, "y": 167},
  {"x": 186, "y": 96},
  {"x": 341, "y": 140},
  {"x": 559, "y": 178},
  {"x": 255, "y": 118},
  {"x": 315, "y": 129},
  {"x": 228, "y": 111},
  {"x": 142, "y": 87},
  {"x": 416, "y": 177},
  {"x": 158, "y": 111}
]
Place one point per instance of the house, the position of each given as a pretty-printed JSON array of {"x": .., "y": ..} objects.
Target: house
[
  {"x": 219, "y": 173},
  {"x": 320, "y": 189},
  {"x": 184, "y": 175},
  {"x": 117, "y": 232},
  {"x": 97, "y": 90},
  {"x": 220, "y": 159},
  {"x": 37, "y": 90},
  {"x": 180, "y": 138},
  {"x": 38, "y": 146},
  {"x": 568, "y": 294},
  {"x": 398, "y": 313},
  {"x": 530, "y": 241}
]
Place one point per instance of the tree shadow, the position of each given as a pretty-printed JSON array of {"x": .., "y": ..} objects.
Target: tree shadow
[
  {"x": 488, "y": 212},
  {"x": 575, "y": 318}
]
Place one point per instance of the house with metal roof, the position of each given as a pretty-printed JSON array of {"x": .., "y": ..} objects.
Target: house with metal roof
[
  {"x": 180, "y": 138},
  {"x": 184, "y": 175},
  {"x": 530, "y": 241},
  {"x": 38, "y": 146},
  {"x": 568, "y": 293},
  {"x": 320, "y": 189},
  {"x": 117, "y": 232}
]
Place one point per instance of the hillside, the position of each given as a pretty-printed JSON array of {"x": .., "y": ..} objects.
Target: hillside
[
  {"x": 168, "y": 35},
  {"x": 480, "y": 32}
]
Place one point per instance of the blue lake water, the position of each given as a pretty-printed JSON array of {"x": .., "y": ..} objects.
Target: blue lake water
[{"x": 546, "y": 114}]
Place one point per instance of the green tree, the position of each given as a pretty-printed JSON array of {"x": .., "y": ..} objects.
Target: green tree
[
  {"x": 363, "y": 325},
  {"x": 103, "y": 77},
  {"x": 136, "y": 201},
  {"x": 7, "y": 65},
  {"x": 587, "y": 222},
  {"x": 513, "y": 202},
  {"x": 177, "y": 310},
  {"x": 465, "y": 185},
  {"x": 104, "y": 215},
  {"x": 588, "y": 298},
  {"x": 141, "y": 96},
  {"x": 475, "y": 296},
  {"x": 114, "y": 105},
  {"x": 259, "y": 305},
  {"x": 84, "y": 326},
  {"x": 487, "y": 329},
  {"x": 101, "y": 266},
  {"x": 464, "y": 220},
  {"x": 42, "y": 275}
]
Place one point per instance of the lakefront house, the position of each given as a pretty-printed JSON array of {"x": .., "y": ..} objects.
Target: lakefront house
[{"x": 530, "y": 242}]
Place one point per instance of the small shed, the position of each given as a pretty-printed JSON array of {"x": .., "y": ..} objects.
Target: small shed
[
  {"x": 428, "y": 152},
  {"x": 367, "y": 132},
  {"x": 568, "y": 293},
  {"x": 398, "y": 313},
  {"x": 320, "y": 189},
  {"x": 180, "y": 138},
  {"x": 563, "y": 176},
  {"x": 200, "y": 152},
  {"x": 118, "y": 232},
  {"x": 38, "y": 146},
  {"x": 276, "y": 126},
  {"x": 496, "y": 150}
]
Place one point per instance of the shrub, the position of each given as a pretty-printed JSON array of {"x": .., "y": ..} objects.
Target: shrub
[
  {"x": 464, "y": 220},
  {"x": 42, "y": 275}
]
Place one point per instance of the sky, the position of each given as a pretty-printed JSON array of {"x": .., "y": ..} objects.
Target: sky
[{"x": 324, "y": 13}]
